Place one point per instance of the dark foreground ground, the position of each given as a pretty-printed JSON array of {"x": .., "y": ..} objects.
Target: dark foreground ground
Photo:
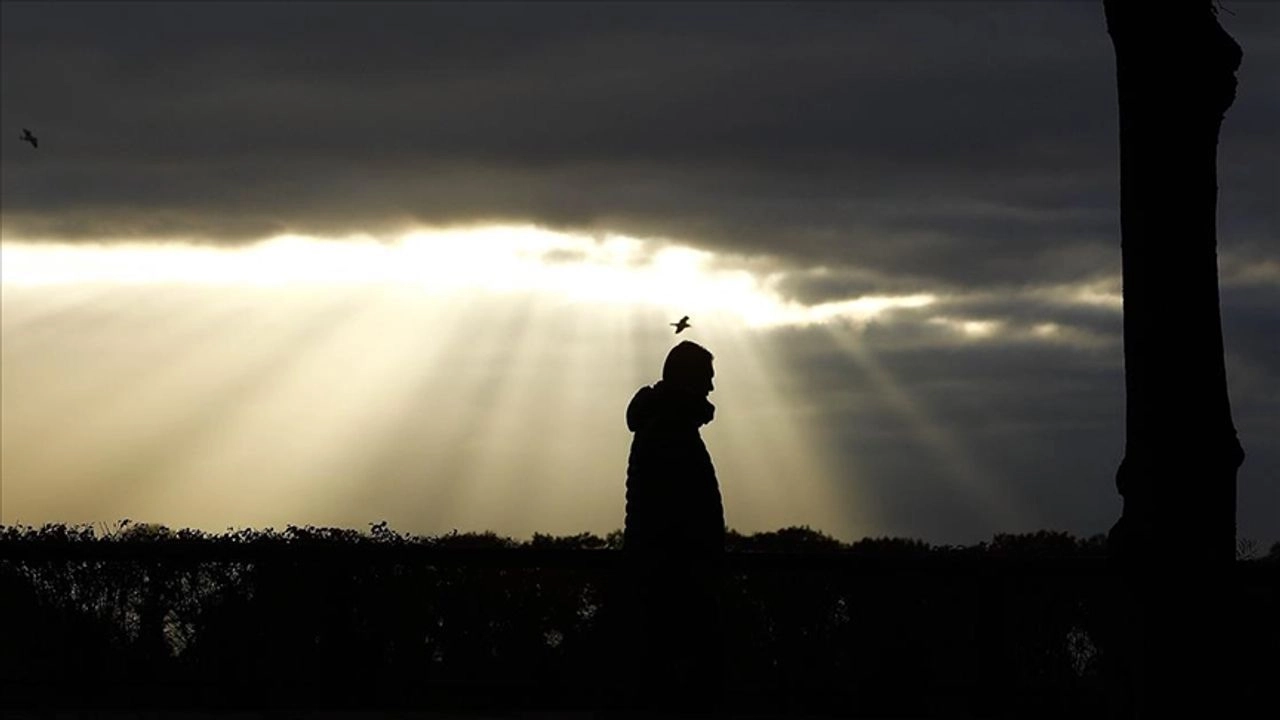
[{"x": 335, "y": 625}]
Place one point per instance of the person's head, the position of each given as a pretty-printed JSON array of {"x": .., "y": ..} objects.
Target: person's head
[{"x": 688, "y": 367}]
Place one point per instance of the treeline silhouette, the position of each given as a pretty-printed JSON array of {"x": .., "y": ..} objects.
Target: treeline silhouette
[{"x": 144, "y": 616}]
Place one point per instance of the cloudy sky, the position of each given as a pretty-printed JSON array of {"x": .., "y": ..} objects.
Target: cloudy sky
[{"x": 341, "y": 263}]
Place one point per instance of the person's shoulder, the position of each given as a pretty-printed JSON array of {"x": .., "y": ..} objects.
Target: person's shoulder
[{"x": 641, "y": 409}]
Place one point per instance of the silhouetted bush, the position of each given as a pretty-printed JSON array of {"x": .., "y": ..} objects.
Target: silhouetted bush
[{"x": 332, "y": 617}]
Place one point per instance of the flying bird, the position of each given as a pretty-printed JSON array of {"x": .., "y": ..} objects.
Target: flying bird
[
  {"x": 28, "y": 137},
  {"x": 684, "y": 323}
]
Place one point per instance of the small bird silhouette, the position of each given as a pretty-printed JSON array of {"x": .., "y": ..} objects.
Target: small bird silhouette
[
  {"x": 684, "y": 323},
  {"x": 28, "y": 137}
]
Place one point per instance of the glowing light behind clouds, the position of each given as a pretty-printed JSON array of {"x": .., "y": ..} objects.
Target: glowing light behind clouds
[{"x": 613, "y": 269}]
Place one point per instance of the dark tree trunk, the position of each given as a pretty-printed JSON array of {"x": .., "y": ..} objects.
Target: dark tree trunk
[{"x": 1175, "y": 71}]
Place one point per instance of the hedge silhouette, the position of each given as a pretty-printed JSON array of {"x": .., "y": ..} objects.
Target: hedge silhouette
[{"x": 143, "y": 615}]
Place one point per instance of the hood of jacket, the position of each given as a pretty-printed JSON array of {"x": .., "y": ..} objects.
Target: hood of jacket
[{"x": 662, "y": 403}]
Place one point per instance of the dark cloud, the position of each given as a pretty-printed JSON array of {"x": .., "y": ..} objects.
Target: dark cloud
[{"x": 964, "y": 144}]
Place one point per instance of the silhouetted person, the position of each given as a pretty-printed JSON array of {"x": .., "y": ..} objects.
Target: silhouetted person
[{"x": 674, "y": 534}]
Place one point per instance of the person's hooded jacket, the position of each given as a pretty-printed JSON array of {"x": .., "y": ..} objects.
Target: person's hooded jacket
[{"x": 673, "y": 498}]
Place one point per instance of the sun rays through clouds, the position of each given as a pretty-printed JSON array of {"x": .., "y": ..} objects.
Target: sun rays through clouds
[{"x": 467, "y": 377}]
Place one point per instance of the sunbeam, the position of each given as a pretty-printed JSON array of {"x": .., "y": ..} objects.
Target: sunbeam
[
  {"x": 952, "y": 459},
  {"x": 777, "y": 468},
  {"x": 455, "y": 378}
]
